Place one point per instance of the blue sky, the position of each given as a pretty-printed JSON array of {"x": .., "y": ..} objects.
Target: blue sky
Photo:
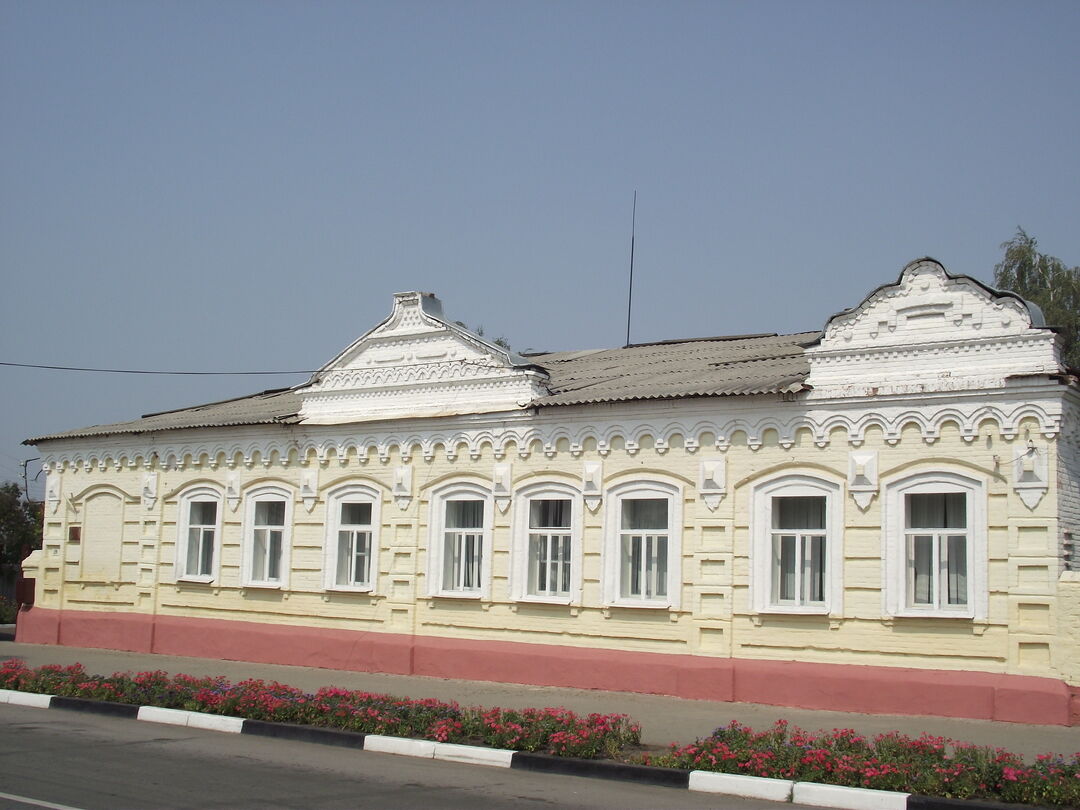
[{"x": 234, "y": 185}]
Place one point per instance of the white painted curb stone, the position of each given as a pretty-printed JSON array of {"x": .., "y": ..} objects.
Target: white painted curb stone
[
  {"x": 474, "y": 755},
  {"x": 749, "y": 787},
  {"x": 399, "y": 745},
  {"x": 215, "y": 722},
  {"x": 848, "y": 798},
  {"x": 155, "y": 714},
  {"x": 25, "y": 699}
]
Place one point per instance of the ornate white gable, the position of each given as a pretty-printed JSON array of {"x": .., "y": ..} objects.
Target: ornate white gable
[
  {"x": 930, "y": 331},
  {"x": 415, "y": 363}
]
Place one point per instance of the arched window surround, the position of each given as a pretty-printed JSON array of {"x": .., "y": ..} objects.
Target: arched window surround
[
  {"x": 541, "y": 571},
  {"x": 460, "y": 542},
  {"x": 336, "y": 555},
  {"x": 198, "y": 535},
  {"x": 796, "y": 570},
  {"x": 267, "y": 550},
  {"x": 642, "y": 555},
  {"x": 903, "y": 564}
]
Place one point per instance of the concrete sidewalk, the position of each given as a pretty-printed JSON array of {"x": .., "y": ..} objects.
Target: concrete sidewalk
[{"x": 663, "y": 719}]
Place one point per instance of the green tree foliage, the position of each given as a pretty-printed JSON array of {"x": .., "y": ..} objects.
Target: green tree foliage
[
  {"x": 1046, "y": 281},
  {"x": 20, "y": 527}
]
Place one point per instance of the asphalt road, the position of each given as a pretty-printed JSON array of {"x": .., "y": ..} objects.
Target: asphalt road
[{"x": 71, "y": 761}]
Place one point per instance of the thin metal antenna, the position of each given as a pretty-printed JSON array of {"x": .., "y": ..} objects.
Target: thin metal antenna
[{"x": 630, "y": 295}]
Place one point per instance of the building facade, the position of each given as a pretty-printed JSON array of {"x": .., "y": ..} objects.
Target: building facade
[{"x": 878, "y": 517}]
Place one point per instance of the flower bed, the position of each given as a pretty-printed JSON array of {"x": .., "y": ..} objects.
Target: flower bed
[
  {"x": 928, "y": 766},
  {"x": 554, "y": 731}
]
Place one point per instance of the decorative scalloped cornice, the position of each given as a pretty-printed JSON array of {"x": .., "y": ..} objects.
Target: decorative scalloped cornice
[{"x": 286, "y": 445}]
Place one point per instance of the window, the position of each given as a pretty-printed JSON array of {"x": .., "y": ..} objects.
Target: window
[
  {"x": 643, "y": 548},
  {"x": 935, "y": 546},
  {"x": 198, "y": 529},
  {"x": 549, "y": 547},
  {"x": 643, "y": 554},
  {"x": 937, "y": 540},
  {"x": 352, "y": 543},
  {"x": 460, "y": 542},
  {"x": 798, "y": 550},
  {"x": 268, "y": 520},
  {"x": 797, "y": 545},
  {"x": 463, "y": 553},
  {"x": 547, "y": 544}
]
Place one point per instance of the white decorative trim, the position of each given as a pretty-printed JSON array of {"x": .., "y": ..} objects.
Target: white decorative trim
[
  {"x": 928, "y": 332},
  {"x": 232, "y": 489},
  {"x": 752, "y": 417},
  {"x": 592, "y": 483},
  {"x": 416, "y": 363},
  {"x": 402, "y": 489},
  {"x": 1030, "y": 477},
  {"x": 52, "y": 490},
  {"x": 712, "y": 481},
  {"x": 309, "y": 487},
  {"x": 500, "y": 485},
  {"x": 149, "y": 490},
  {"x": 863, "y": 477}
]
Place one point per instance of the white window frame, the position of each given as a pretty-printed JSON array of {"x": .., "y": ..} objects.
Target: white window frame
[
  {"x": 458, "y": 491},
  {"x": 894, "y": 542},
  {"x": 254, "y": 496},
  {"x": 519, "y": 581},
  {"x": 761, "y": 546},
  {"x": 201, "y": 493},
  {"x": 351, "y": 493},
  {"x": 612, "y": 556}
]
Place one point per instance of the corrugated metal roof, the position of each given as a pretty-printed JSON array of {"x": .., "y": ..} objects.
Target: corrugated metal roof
[
  {"x": 755, "y": 364},
  {"x": 268, "y": 407}
]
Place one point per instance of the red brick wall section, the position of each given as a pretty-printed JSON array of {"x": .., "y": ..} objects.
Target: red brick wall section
[{"x": 835, "y": 687}]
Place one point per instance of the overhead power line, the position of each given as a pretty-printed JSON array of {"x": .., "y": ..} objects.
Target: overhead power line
[{"x": 147, "y": 371}]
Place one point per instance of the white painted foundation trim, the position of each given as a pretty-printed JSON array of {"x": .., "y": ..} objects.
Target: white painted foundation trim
[
  {"x": 171, "y": 717},
  {"x": 471, "y": 754},
  {"x": 216, "y": 722},
  {"x": 25, "y": 699},
  {"x": 749, "y": 787},
  {"x": 848, "y": 798},
  {"x": 399, "y": 745}
]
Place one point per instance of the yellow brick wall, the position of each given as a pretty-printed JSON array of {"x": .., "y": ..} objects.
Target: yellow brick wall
[{"x": 1032, "y": 626}]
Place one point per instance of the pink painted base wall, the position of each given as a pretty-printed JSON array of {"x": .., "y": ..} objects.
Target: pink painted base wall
[{"x": 873, "y": 690}]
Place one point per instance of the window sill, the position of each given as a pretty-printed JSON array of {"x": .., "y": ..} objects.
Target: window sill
[
  {"x": 646, "y": 605},
  {"x": 268, "y": 586},
  {"x": 196, "y": 580},
  {"x": 545, "y": 600},
  {"x": 349, "y": 589},
  {"x": 795, "y": 610},
  {"x": 966, "y": 615},
  {"x": 477, "y": 595}
]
